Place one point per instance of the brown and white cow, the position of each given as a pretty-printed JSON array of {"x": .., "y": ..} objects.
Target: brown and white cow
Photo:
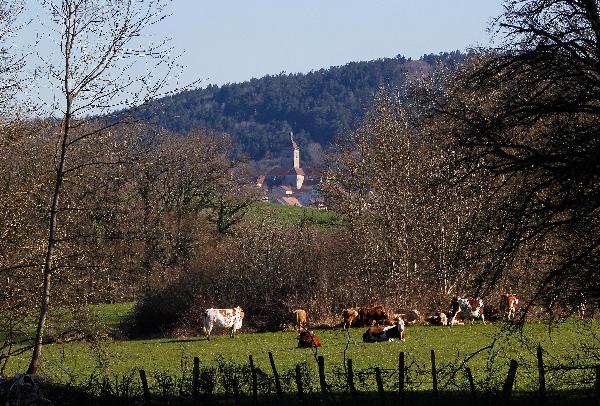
[
  {"x": 376, "y": 334},
  {"x": 508, "y": 306},
  {"x": 300, "y": 317},
  {"x": 370, "y": 316},
  {"x": 466, "y": 309},
  {"x": 438, "y": 319},
  {"x": 221, "y": 319},
  {"x": 350, "y": 314},
  {"x": 308, "y": 339}
]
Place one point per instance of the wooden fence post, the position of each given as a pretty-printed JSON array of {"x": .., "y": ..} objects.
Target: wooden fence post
[
  {"x": 598, "y": 383},
  {"x": 235, "y": 383},
  {"x": 254, "y": 380},
  {"x": 471, "y": 382},
  {"x": 542, "y": 377},
  {"x": 322, "y": 381},
  {"x": 195, "y": 380},
  {"x": 401, "y": 376},
  {"x": 276, "y": 375},
  {"x": 350, "y": 377},
  {"x": 379, "y": 381},
  {"x": 299, "y": 382},
  {"x": 510, "y": 380},
  {"x": 145, "y": 386},
  {"x": 434, "y": 373}
]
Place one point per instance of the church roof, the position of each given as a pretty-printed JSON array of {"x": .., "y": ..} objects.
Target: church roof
[{"x": 278, "y": 171}]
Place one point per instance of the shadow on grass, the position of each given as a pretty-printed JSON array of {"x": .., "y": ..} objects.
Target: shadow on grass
[{"x": 62, "y": 395}]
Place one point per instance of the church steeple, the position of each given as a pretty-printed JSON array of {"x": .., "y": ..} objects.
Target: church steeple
[{"x": 296, "y": 151}]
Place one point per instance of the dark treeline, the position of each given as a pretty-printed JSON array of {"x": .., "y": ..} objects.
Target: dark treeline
[{"x": 317, "y": 106}]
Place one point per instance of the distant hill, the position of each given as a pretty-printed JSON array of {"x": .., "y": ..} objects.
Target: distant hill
[{"x": 317, "y": 106}]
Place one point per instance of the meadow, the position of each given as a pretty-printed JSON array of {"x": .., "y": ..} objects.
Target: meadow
[
  {"x": 291, "y": 215},
  {"x": 486, "y": 349}
]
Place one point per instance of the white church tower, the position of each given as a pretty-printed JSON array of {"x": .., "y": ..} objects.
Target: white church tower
[
  {"x": 296, "y": 151},
  {"x": 298, "y": 171}
]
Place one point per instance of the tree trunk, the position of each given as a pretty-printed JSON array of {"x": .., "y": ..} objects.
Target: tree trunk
[{"x": 48, "y": 266}]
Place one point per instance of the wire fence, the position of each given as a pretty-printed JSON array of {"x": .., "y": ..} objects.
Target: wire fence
[{"x": 228, "y": 381}]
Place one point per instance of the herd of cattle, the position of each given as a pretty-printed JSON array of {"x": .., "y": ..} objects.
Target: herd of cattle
[{"x": 382, "y": 326}]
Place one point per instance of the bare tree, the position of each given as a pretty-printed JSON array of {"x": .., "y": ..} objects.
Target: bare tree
[
  {"x": 389, "y": 185},
  {"x": 100, "y": 47},
  {"x": 525, "y": 121}
]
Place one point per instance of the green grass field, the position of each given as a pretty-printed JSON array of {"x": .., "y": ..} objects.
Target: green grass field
[
  {"x": 571, "y": 343},
  {"x": 280, "y": 214}
]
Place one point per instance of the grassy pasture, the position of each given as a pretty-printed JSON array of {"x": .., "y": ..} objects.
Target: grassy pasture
[
  {"x": 291, "y": 215},
  {"x": 569, "y": 343}
]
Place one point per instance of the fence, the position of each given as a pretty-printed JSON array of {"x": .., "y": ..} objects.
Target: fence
[{"x": 244, "y": 383}]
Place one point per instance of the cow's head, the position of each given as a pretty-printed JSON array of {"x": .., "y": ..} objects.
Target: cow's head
[{"x": 239, "y": 311}]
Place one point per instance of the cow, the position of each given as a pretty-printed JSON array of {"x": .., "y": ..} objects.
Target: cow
[
  {"x": 370, "y": 316},
  {"x": 300, "y": 318},
  {"x": 466, "y": 309},
  {"x": 411, "y": 316},
  {"x": 350, "y": 314},
  {"x": 438, "y": 319},
  {"x": 308, "y": 339},
  {"x": 508, "y": 306},
  {"x": 376, "y": 334},
  {"x": 221, "y": 319}
]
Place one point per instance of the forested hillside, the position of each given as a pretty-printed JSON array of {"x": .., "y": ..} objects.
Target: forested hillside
[{"x": 260, "y": 113}]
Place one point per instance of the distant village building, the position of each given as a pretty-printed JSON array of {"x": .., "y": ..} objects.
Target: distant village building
[{"x": 291, "y": 185}]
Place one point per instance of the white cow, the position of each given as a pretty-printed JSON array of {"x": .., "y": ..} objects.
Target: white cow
[{"x": 223, "y": 318}]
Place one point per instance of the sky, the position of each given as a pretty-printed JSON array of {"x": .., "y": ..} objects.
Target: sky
[
  {"x": 236, "y": 40},
  {"x": 227, "y": 41}
]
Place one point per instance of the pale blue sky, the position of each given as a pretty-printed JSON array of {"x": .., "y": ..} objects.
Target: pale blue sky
[
  {"x": 235, "y": 40},
  {"x": 225, "y": 41}
]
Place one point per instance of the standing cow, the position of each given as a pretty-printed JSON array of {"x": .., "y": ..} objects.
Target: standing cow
[
  {"x": 466, "y": 309},
  {"x": 350, "y": 314},
  {"x": 223, "y": 318},
  {"x": 508, "y": 306},
  {"x": 300, "y": 318},
  {"x": 370, "y": 316}
]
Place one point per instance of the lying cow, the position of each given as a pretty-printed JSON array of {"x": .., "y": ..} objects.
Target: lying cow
[
  {"x": 308, "y": 339},
  {"x": 508, "y": 306},
  {"x": 300, "y": 318},
  {"x": 438, "y": 319},
  {"x": 376, "y": 334},
  {"x": 411, "y": 316},
  {"x": 466, "y": 309},
  {"x": 350, "y": 314},
  {"x": 221, "y": 319},
  {"x": 370, "y": 316}
]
